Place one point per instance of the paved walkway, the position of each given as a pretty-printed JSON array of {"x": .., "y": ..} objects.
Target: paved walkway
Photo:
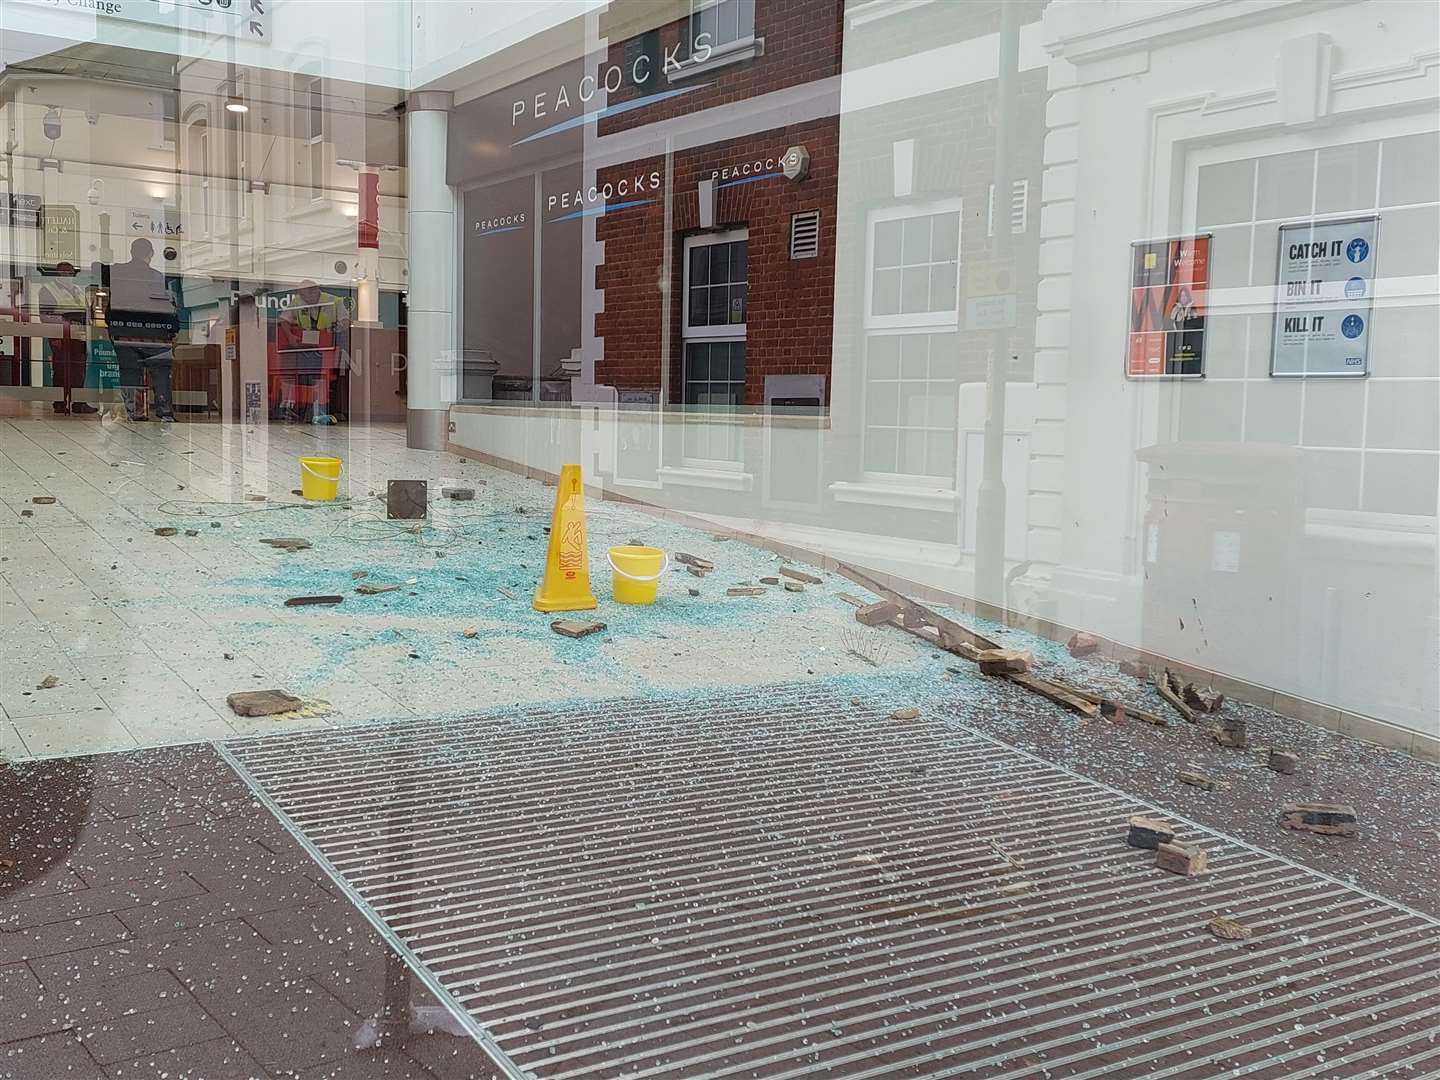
[{"x": 157, "y": 923}]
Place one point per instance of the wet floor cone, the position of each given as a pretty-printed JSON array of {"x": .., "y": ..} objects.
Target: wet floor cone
[{"x": 566, "y": 585}]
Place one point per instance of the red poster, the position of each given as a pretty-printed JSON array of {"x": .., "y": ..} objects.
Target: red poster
[{"x": 1169, "y": 280}]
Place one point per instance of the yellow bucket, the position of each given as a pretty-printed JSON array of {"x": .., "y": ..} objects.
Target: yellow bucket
[
  {"x": 637, "y": 573},
  {"x": 319, "y": 477}
]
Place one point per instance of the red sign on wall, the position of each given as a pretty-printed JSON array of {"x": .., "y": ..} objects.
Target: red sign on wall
[{"x": 1169, "y": 280}]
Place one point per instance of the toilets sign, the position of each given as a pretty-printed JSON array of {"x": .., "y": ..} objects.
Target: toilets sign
[{"x": 1325, "y": 286}]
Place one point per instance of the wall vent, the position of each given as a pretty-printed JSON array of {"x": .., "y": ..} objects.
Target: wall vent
[
  {"x": 805, "y": 234},
  {"x": 1019, "y": 208}
]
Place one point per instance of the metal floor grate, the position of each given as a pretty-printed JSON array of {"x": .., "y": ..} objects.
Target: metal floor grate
[{"x": 777, "y": 884}]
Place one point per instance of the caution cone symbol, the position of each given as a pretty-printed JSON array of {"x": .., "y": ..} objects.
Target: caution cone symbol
[{"x": 566, "y": 585}]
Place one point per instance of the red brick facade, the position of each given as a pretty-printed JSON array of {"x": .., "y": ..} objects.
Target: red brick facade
[{"x": 790, "y": 302}]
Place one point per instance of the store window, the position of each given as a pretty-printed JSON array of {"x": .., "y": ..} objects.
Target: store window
[
  {"x": 716, "y": 273},
  {"x": 727, "y": 22},
  {"x": 1242, "y": 197},
  {"x": 911, "y": 343}
]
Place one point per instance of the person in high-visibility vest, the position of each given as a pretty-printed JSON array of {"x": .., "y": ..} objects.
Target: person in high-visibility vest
[
  {"x": 315, "y": 331},
  {"x": 62, "y": 299}
]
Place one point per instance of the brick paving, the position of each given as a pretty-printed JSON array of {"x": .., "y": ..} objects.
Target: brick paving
[{"x": 158, "y": 923}]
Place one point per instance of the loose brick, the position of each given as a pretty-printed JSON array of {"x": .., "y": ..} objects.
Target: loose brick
[
  {"x": 800, "y": 575},
  {"x": 878, "y": 613},
  {"x": 1002, "y": 661},
  {"x": 1148, "y": 832},
  {"x": 1135, "y": 669},
  {"x": 574, "y": 628},
  {"x": 1283, "y": 762},
  {"x": 1082, "y": 645},
  {"x": 1181, "y": 859},
  {"x": 1198, "y": 779}
]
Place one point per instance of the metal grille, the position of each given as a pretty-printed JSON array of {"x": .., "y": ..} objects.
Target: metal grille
[
  {"x": 805, "y": 234},
  {"x": 777, "y": 884}
]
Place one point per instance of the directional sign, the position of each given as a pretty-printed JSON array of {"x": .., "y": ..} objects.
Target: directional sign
[{"x": 248, "y": 19}]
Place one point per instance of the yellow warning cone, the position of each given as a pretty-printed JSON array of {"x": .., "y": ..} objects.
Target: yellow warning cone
[{"x": 566, "y": 585}]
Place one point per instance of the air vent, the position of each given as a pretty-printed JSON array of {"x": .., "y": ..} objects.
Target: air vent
[
  {"x": 1019, "y": 208},
  {"x": 805, "y": 234}
]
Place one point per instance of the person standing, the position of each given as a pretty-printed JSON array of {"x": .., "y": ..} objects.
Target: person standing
[
  {"x": 143, "y": 326},
  {"x": 314, "y": 331},
  {"x": 62, "y": 299}
]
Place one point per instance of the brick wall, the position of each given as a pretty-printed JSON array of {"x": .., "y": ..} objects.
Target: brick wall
[
  {"x": 802, "y": 44},
  {"x": 790, "y": 302}
]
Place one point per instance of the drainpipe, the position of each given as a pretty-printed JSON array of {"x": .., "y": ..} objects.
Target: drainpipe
[{"x": 990, "y": 506}]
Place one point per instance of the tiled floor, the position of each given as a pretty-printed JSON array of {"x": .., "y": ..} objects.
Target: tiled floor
[
  {"x": 157, "y": 923},
  {"x": 147, "y": 635}
]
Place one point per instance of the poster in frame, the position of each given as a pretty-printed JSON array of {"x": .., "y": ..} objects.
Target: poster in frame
[
  {"x": 1325, "y": 272},
  {"x": 1168, "y": 303}
]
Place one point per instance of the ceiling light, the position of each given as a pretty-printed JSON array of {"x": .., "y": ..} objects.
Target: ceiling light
[{"x": 234, "y": 104}]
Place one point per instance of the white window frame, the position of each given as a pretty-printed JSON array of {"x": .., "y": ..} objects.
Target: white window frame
[
  {"x": 709, "y": 334},
  {"x": 729, "y": 331},
  {"x": 918, "y": 319},
  {"x": 738, "y": 42},
  {"x": 928, "y": 322}
]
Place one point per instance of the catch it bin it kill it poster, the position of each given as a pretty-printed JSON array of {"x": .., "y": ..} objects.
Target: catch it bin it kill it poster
[{"x": 1168, "y": 283}]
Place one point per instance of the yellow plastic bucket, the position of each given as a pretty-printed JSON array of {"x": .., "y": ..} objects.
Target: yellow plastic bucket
[
  {"x": 320, "y": 477},
  {"x": 637, "y": 573}
]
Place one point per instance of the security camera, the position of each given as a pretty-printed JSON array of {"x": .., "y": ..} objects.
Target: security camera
[{"x": 51, "y": 123}]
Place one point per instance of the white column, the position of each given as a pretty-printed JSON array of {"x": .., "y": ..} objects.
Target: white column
[{"x": 431, "y": 369}]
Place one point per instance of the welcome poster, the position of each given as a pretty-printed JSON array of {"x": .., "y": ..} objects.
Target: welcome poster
[{"x": 1168, "y": 283}]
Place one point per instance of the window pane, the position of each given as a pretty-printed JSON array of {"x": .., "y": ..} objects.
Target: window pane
[
  {"x": 912, "y": 403},
  {"x": 1225, "y": 193},
  {"x": 737, "y": 364},
  {"x": 887, "y": 243},
  {"x": 886, "y": 293},
  {"x": 944, "y": 356},
  {"x": 881, "y": 403},
  {"x": 945, "y": 237},
  {"x": 1411, "y": 168},
  {"x": 911, "y": 457},
  {"x": 880, "y": 450},
  {"x": 719, "y": 297},
  {"x": 942, "y": 287},
  {"x": 698, "y": 306},
  {"x": 940, "y": 406},
  {"x": 1285, "y": 182},
  {"x": 728, "y": 15},
  {"x": 699, "y": 266},
  {"x": 697, "y": 363},
  {"x": 719, "y": 263},
  {"x": 1345, "y": 177},
  {"x": 739, "y": 260},
  {"x": 737, "y": 304},
  {"x": 915, "y": 290},
  {"x": 917, "y": 240},
  {"x": 885, "y": 357},
  {"x": 940, "y": 453},
  {"x": 914, "y": 352},
  {"x": 747, "y": 18}
]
